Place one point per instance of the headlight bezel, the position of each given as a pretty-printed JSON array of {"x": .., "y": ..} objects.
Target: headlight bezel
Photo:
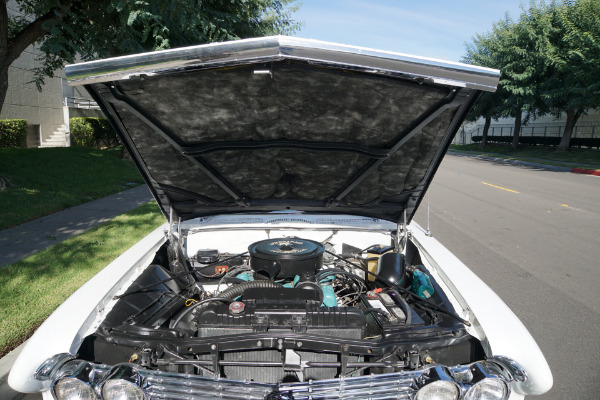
[
  {"x": 433, "y": 374},
  {"x": 125, "y": 373},
  {"x": 95, "y": 376},
  {"x": 78, "y": 370},
  {"x": 486, "y": 371},
  {"x": 60, "y": 395},
  {"x": 140, "y": 394},
  {"x": 497, "y": 369},
  {"x": 469, "y": 394}
]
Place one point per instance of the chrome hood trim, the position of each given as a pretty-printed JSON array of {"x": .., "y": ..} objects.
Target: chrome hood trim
[{"x": 272, "y": 48}]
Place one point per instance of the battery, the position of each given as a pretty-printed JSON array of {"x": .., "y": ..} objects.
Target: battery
[
  {"x": 385, "y": 303},
  {"x": 396, "y": 316}
]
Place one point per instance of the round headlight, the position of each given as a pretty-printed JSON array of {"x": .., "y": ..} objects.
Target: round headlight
[
  {"x": 488, "y": 389},
  {"x": 438, "y": 390},
  {"x": 120, "y": 389},
  {"x": 73, "y": 389}
]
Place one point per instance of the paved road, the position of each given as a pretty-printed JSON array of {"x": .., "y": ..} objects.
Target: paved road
[{"x": 534, "y": 237}]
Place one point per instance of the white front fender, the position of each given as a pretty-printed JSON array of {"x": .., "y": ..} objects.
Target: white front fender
[{"x": 499, "y": 329}]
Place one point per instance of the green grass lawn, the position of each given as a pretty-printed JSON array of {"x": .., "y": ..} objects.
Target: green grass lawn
[
  {"x": 43, "y": 181},
  {"x": 31, "y": 289},
  {"x": 583, "y": 156}
]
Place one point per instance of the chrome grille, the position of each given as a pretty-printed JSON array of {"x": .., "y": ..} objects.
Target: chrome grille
[
  {"x": 165, "y": 385},
  {"x": 371, "y": 387}
]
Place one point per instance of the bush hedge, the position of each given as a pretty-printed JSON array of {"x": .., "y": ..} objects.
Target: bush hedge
[
  {"x": 13, "y": 132},
  {"x": 541, "y": 140},
  {"x": 92, "y": 132}
]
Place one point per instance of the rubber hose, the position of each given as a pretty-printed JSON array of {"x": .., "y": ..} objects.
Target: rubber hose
[{"x": 238, "y": 290}]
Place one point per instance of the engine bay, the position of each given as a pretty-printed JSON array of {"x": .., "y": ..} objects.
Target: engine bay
[{"x": 291, "y": 307}]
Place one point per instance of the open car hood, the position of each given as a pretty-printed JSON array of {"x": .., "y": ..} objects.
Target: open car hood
[{"x": 282, "y": 123}]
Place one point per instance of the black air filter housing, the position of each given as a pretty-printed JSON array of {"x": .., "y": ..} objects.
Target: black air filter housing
[{"x": 286, "y": 257}]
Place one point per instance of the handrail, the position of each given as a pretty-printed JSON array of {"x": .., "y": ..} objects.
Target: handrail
[{"x": 81, "y": 102}]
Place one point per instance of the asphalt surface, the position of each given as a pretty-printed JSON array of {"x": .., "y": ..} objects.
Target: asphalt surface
[{"x": 533, "y": 236}]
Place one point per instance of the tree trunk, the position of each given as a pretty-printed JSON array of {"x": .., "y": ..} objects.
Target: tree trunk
[
  {"x": 484, "y": 135},
  {"x": 3, "y": 54},
  {"x": 3, "y": 84},
  {"x": 516, "y": 131},
  {"x": 572, "y": 117}
]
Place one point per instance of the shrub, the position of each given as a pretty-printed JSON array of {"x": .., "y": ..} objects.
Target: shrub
[
  {"x": 541, "y": 140},
  {"x": 13, "y": 132},
  {"x": 92, "y": 132}
]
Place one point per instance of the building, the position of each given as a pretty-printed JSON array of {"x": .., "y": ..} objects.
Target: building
[
  {"x": 47, "y": 112},
  {"x": 588, "y": 126}
]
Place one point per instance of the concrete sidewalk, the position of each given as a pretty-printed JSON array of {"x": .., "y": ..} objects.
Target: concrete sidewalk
[
  {"x": 6, "y": 392},
  {"x": 31, "y": 237}
]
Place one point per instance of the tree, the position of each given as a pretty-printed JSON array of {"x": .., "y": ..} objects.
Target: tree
[
  {"x": 508, "y": 47},
  {"x": 479, "y": 52},
  {"x": 568, "y": 36},
  {"x": 90, "y": 29},
  {"x": 549, "y": 62}
]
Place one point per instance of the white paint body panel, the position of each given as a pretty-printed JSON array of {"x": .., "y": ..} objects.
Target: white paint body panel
[{"x": 65, "y": 329}]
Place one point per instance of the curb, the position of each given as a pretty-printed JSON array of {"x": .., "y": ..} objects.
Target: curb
[
  {"x": 575, "y": 170},
  {"x": 594, "y": 172}
]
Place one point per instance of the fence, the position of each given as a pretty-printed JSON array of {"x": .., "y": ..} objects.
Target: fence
[{"x": 581, "y": 130}]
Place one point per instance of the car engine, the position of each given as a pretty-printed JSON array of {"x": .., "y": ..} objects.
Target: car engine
[{"x": 287, "y": 310}]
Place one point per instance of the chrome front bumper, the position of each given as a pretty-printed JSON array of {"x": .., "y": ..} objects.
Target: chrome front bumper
[{"x": 177, "y": 386}]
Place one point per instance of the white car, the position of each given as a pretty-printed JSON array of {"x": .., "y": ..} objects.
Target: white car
[{"x": 289, "y": 269}]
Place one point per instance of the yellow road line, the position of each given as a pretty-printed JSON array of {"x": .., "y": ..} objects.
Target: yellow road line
[{"x": 498, "y": 187}]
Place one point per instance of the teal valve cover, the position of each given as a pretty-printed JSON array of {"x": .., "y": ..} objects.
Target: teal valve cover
[
  {"x": 245, "y": 276},
  {"x": 421, "y": 285},
  {"x": 328, "y": 296},
  {"x": 292, "y": 283}
]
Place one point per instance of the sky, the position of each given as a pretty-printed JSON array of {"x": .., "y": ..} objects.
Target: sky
[{"x": 429, "y": 28}]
